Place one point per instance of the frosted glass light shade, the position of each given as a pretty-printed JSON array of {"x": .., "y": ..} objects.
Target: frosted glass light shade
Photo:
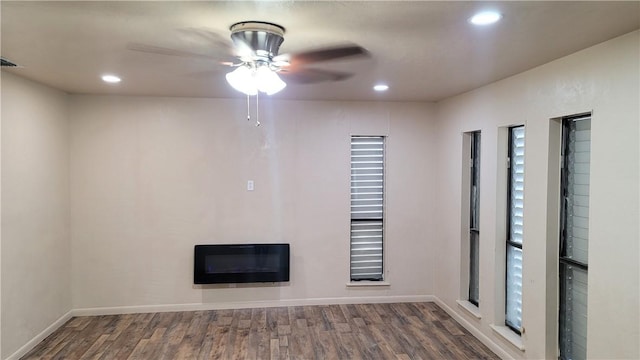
[
  {"x": 242, "y": 80},
  {"x": 249, "y": 80},
  {"x": 268, "y": 81}
]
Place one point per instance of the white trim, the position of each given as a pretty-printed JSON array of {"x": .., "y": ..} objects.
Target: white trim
[
  {"x": 509, "y": 335},
  {"x": 41, "y": 336},
  {"x": 368, "y": 283},
  {"x": 471, "y": 309},
  {"x": 473, "y": 330},
  {"x": 248, "y": 304}
]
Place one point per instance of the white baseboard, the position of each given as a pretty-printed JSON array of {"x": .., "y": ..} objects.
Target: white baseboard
[
  {"x": 473, "y": 330},
  {"x": 248, "y": 304},
  {"x": 41, "y": 336}
]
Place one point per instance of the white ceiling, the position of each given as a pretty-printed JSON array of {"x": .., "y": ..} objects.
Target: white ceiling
[{"x": 425, "y": 51}]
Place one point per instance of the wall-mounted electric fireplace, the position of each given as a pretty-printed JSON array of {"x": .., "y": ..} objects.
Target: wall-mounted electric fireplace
[{"x": 241, "y": 263}]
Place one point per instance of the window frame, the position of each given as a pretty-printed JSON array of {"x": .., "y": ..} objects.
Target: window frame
[
  {"x": 475, "y": 167},
  {"x": 509, "y": 242},
  {"x": 362, "y": 220},
  {"x": 564, "y": 262}
]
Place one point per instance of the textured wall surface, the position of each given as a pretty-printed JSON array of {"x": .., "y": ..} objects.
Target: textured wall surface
[{"x": 36, "y": 255}]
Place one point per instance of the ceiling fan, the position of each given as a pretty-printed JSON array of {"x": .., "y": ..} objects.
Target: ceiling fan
[{"x": 257, "y": 63}]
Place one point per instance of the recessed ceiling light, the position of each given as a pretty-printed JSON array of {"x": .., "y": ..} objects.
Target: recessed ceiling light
[
  {"x": 381, "y": 87},
  {"x": 111, "y": 79},
  {"x": 485, "y": 18}
]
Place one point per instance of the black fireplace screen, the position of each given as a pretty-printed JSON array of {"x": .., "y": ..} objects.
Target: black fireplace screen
[{"x": 241, "y": 263}]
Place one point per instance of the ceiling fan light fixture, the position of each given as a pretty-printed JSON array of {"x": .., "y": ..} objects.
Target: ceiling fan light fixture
[{"x": 249, "y": 80}]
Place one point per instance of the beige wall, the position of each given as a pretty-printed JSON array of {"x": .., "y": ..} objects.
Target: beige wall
[
  {"x": 603, "y": 79},
  {"x": 36, "y": 260},
  {"x": 152, "y": 177}
]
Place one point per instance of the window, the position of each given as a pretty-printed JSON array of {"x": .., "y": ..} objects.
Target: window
[
  {"x": 367, "y": 207},
  {"x": 515, "y": 200},
  {"x": 574, "y": 237},
  {"x": 474, "y": 221}
]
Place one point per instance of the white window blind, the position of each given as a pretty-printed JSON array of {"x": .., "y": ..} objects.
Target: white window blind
[
  {"x": 573, "y": 321},
  {"x": 577, "y": 165},
  {"x": 575, "y": 238},
  {"x": 367, "y": 207},
  {"x": 513, "y": 301}
]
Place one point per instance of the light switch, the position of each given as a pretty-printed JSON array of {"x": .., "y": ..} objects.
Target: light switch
[{"x": 250, "y": 185}]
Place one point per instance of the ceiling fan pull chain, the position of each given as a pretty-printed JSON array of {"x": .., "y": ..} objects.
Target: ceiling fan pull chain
[
  {"x": 257, "y": 109},
  {"x": 248, "y": 111}
]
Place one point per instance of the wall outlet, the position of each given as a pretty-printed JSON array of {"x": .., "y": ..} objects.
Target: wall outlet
[{"x": 250, "y": 185}]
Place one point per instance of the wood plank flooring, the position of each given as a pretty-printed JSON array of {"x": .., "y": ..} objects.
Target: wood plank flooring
[{"x": 371, "y": 331}]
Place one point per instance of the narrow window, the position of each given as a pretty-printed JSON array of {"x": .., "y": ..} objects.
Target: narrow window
[
  {"x": 574, "y": 237},
  {"x": 367, "y": 207},
  {"x": 474, "y": 221},
  {"x": 515, "y": 196}
]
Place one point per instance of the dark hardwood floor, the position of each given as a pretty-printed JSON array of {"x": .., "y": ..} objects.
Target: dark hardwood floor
[{"x": 373, "y": 331}]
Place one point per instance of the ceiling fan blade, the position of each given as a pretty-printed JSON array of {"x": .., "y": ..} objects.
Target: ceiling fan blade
[
  {"x": 312, "y": 76},
  {"x": 212, "y": 38},
  {"x": 171, "y": 52},
  {"x": 205, "y": 74},
  {"x": 323, "y": 54}
]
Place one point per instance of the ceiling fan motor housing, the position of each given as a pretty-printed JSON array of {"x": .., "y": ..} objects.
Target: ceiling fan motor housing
[{"x": 263, "y": 37}]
